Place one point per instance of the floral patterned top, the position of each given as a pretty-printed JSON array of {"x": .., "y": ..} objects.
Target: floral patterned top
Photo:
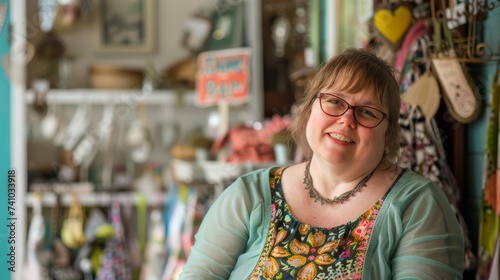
[{"x": 295, "y": 250}]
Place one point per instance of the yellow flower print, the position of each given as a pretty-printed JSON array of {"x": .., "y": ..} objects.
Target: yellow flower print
[
  {"x": 316, "y": 239},
  {"x": 280, "y": 236},
  {"x": 299, "y": 248},
  {"x": 279, "y": 252},
  {"x": 308, "y": 272},
  {"x": 303, "y": 228},
  {"x": 271, "y": 267},
  {"x": 301, "y": 255},
  {"x": 324, "y": 259},
  {"x": 328, "y": 247},
  {"x": 297, "y": 261},
  {"x": 310, "y": 257}
]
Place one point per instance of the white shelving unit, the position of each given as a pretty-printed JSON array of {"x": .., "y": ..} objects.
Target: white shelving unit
[
  {"x": 95, "y": 199},
  {"x": 21, "y": 97},
  {"x": 97, "y": 96}
]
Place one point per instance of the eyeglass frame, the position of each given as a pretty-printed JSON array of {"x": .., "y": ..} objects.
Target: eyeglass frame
[{"x": 349, "y": 106}]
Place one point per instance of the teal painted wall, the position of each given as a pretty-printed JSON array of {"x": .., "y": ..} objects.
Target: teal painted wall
[
  {"x": 5, "y": 161},
  {"x": 476, "y": 131}
]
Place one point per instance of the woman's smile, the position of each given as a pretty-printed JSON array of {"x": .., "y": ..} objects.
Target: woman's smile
[{"x": 341, "y": 138}]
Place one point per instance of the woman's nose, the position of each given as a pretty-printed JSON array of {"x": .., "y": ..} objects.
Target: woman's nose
[{"x": 348, "y": 118}]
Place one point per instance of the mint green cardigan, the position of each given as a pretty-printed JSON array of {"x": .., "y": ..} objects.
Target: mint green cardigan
[{"x": 416, "y": 234}]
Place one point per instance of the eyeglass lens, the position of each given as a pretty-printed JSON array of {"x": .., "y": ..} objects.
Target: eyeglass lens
[{"x": 365, "y": 115}]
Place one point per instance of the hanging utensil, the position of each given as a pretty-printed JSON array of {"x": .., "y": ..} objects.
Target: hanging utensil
[
  {"x": 50, "y": 122},
  {"x": 47, "y": 10},
  {"x": 60, "y": 134},
  {"x": 139, "y": 138},
  {"x": 60, "y": 254},
  {"x": 110, "y": 150},
  {"x": 36, "y": 235},
  {"x": 168, "y": 130},
  {"x": 77, "y": 126},
  {"x": 72, "y": 233},
  {"x": 87, "y": 148}
]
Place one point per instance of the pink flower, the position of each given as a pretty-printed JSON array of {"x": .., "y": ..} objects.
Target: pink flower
[
  {"x": 345, "y": 254},
  {"x": 273, "y": 211},
  {"x": 364, "y": 223}
]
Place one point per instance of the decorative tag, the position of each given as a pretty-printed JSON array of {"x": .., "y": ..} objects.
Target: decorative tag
[
  {"x": 393, "y": 25},
  {"x": 458, "y": 91},
  {"x": 424, "y": 93}
]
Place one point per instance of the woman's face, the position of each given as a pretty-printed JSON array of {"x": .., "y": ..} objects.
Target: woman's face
[{"x": 341, "y": 140}]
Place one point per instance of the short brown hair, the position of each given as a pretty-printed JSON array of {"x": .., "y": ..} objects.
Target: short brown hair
[{"x": 367, "y": 71}]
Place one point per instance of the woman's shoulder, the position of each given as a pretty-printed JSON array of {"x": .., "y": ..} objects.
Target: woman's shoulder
[
  {"x": 409, "y": 176},
  {"x": 259, "y": 176},
  {"x": 253, "y": 183},
  {"x": 259, "y": 171},
  {"x": 412, "y": 187}
]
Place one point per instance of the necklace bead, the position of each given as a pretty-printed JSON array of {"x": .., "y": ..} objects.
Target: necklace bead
[{"x": 313, "y": 193}]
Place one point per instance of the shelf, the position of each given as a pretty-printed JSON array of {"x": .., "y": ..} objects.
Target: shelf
[
  {"x": 86, "y": 195},
  {"x": 95, "y": 198},
  {"x": 125, "y": 97}
]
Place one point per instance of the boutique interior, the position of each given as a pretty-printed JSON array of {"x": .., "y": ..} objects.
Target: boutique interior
[{"x": 123, "y": 132}]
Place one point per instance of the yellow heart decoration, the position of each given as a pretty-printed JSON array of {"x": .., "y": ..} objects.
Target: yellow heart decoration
[{"x": 393, "y": 25}]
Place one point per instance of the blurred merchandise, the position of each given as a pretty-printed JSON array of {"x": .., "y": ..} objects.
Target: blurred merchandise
[{"x": 107, "y": 76}]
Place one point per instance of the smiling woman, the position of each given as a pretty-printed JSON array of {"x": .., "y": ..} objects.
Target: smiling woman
[
  {"x": 126, "y": 26},
  {"x": 349, "y": 211}
]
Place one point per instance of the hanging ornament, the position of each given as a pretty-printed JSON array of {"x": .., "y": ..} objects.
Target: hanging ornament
[
  {"x": 392, "y": 24},
  {"x": 460, "y": 93}
]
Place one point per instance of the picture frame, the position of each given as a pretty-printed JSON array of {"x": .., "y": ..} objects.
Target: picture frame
[
  {"x": 227, "y": 29},
  {"x": 127, "y": 26}
]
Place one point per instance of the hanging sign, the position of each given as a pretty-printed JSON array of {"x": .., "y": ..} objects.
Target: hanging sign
[{"x": 223, "y": 76}]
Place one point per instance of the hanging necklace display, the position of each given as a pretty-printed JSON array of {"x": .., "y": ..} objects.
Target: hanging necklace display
[
  {"x": 313, "y": 193},
  {"x": 459, "y": 92}
]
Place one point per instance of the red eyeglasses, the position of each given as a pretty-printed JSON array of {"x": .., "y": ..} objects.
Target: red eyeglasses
[{"x": 335, "y": 106}]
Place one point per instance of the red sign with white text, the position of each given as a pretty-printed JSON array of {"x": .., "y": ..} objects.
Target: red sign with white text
[{"x": 223, "y": 75}]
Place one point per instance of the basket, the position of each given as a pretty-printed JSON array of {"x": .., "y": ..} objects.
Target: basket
[{"x": 115, "y": 77}]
